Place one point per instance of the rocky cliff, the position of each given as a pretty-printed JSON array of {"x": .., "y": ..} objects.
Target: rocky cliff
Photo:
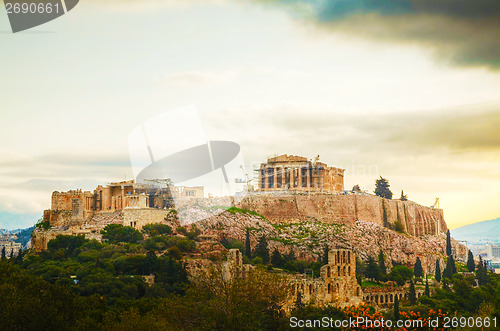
[
  {"x": 417, "y": 220},
  {"x": 308, "y": 237}
]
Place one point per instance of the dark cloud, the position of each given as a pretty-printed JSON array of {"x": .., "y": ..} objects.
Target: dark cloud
[
  {"x": 464, "y": 32},
  {"x": 460, "y": 130}
]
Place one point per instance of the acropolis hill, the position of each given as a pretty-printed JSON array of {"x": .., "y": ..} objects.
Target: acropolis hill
[{"x": 293, "y": 193}]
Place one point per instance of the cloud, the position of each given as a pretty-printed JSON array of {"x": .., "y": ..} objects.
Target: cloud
[
  {"x": 196, "y": 79},
  {"x": 27, "y": 182},
  {"x": 443, "y": 145},
  {"x": 461, "y": 31}
]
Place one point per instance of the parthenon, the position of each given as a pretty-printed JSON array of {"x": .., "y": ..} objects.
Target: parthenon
[{"x": 296, "y": 173}]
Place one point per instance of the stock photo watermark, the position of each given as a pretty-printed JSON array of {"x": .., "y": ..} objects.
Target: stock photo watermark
[{"x": 26, "y": 14}]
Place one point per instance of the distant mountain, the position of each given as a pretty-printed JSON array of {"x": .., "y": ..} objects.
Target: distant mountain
[
  {"x": 486, "y": 232},
  {"x": 23, "y": 236}
]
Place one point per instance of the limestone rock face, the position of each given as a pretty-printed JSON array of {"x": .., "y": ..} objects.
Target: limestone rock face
[
  {"x": 347, "y": 209},
  {"x": 308, "y": 238}
]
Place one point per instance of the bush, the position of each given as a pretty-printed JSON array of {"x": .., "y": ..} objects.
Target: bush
[
  {"x": 116, "y": 233},
  {"x": 156, "y": 229}
]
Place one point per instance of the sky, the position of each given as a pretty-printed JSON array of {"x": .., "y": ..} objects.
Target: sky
[{"x": 404, "y": 89}]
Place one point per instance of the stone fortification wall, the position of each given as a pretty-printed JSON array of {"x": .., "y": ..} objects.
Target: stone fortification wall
[
  {"x": 347, "y": 209},
  {"x": 138, "y": 217}
]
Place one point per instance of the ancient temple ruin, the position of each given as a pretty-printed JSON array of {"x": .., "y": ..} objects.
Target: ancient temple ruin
[
  {"x": 296, "y": 173},
  {"x": 337, "y": 284}
]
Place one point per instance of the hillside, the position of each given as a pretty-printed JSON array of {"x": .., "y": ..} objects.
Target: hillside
[
  {"x": 479, "y": 233},
  {"x": 308, "y": 238}
]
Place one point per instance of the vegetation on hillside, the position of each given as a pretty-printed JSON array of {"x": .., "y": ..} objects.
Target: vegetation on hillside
[{"x": 81, "y": 284}]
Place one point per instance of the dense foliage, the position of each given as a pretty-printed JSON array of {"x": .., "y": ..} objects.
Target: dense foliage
[
  {"x": 86, "y": 285},
  {"x": 382, "y": 188}
]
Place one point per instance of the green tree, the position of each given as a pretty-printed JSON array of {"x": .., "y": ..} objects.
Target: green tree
[
  {"x": 382, "y": 188},
  {"x": 193, "y": 233},
  {"x": 404, "y": 197},
  {"x": 262, "y": 249},
  {"x": 417, "y": 269},
  {"x": 381, "y": 263},
  {"x": 396, "y": 308},
  {"x": 156, "y": 229},
  {"x": 412, "y": 295},
  {"x": 291, "y": 255},
  {"x": 448, "y": 243},
  {"x": 277, "y": 259},
  {"x": 66, "y": 246},
  {"x": 481, "y": 273},
  {"x": 438, "y": 271},
  {"x": 427, "y": 290},
  {"x": 372, "y": 269},
  {"x": 471, "y": 266},
  {"x": 399, "y": 227},
  {"x": 4, "y": 256},
  {"x": 298, "y": 302},
  {"x": 214, "y": 303},
  {"x": 116, "y": 233},
  {"x": 19, "y": 257},
  {"x": 400, "y": 274},
  {"x": 450, "y": 268},
  {"x": 248, "y": 249}
]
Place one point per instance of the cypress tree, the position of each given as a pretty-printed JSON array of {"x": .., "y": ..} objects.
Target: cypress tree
[
  {"x": 417, "y": 269},
  {"x": 396, "y": 307},
  {"x": 438, "y": 271},
  {"x": 291, "y": 255},
  {"x": 450, "y": 268},
  {"x": 298, "y": 302},
  {"x": 262, "y": 249},
  {"x": 372, "y": 270},
  {"x": 427, "y": 290},
  {"x": 11, "y": 253},
  {"x": 471, "y": 266},
  {"x": 382, "y": 188},
  {"x": 248, "y": 249},
  {"x": 19, "y": 257},
  {"x": 276, "y": 259},
  {"x": 381, "y": 263},
  {"x": 448, "y": 243},
  {"x": 404, "y": 197},
  {"x": 412, "y": 295},
  {"x": 481, "y": 273},
  {"x": 3, "y": 253}
]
